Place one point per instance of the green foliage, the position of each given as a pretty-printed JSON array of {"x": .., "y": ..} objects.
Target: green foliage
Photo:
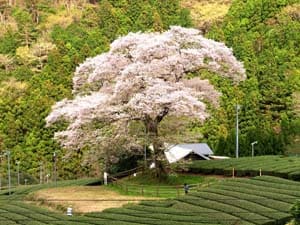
[
  {"x": 294, "y": 176},
  {"x": 295, "y": 210},
  {"x": 263, "y": 36},
  {"x": 9, "y": 43},
  {"x": 26, "y": 100},
  {"x": 26, "y": 27}
]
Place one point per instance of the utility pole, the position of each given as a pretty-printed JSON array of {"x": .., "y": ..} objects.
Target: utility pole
[
  {"x": 252, "y": 147},
  {"x": 18, "y": 171},
  {"x": 1, "y": 172},
  {"x": 41, "y": 172},
  {"x": 237, "y": 131},
  {"x": 8, "y": 168},
  {"x": 54, "y": 168}
]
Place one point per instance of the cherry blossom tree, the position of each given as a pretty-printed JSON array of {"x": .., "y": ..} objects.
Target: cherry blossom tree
[{"x": 144, "y": 78}]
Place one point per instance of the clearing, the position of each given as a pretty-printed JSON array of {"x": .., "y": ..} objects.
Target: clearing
[{"x": 83, "y": 199}]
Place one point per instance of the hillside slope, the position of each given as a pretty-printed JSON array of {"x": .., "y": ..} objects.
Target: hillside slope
[
  {"x": 260, "y": 200},
  {"x": 205, "y": 13},
  {"x": 41, "y": 43}
]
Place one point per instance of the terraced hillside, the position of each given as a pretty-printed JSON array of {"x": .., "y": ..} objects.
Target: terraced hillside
[
  {"x": 285, "y": 167},
  {"x": 260, "y": 200}
]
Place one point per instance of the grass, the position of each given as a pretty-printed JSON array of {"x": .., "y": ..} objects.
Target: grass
[
  {"x": 170, "y": 187},
  {"x": 171, "y": 179},
  {"x": 82, "y": 199}
]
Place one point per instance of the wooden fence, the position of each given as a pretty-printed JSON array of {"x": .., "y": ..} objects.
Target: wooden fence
[{"x": 156, "y": 191}]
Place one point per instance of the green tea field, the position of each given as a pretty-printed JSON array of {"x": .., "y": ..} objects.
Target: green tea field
[
  {"x": 259, "y": 200},
  {"x": 285, "y": 167}
]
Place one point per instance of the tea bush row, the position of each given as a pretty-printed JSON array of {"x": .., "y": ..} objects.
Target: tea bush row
[
  {"x": 260, "y": 205},
  {"x": 261, "y": 200},
  {"x": 260, "y": 193},
  {"x": 285, "y": 167}
]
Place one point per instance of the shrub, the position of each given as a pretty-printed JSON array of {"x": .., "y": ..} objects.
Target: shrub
[
  {"x": 295, "y": 210},
  {"x": 294, "y": 176}
]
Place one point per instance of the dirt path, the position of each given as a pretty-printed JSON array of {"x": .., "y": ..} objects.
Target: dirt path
[{"x": 83, "y": 199}]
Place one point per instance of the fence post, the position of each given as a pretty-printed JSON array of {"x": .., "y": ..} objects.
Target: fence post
[
  {"x": 142, "y": 191},
  {"x": 260, "y": 172},
  {"x": 105, "y": 178},
  {"x": 232, "y": 172},
  {"x": 126, "y": 188}
]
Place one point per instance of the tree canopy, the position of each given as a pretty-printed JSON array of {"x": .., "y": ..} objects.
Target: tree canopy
[{"x": 143, "y": 77}]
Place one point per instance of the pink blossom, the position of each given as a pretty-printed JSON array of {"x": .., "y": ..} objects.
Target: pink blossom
[{"x": 144, "y": 76}]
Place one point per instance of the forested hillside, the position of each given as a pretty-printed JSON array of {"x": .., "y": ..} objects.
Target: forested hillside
[
  {"x": 265, "y": 36},
  {"x": 42, "y": 42}
]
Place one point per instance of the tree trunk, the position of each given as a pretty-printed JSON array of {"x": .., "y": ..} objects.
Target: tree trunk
[
  {"x": 158, "y": 149},
  {"x": 152, "y": 133}
]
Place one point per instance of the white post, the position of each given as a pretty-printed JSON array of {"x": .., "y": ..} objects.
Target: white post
[
  {"x": 47, "y": 178},
  {"x": 260, "y": 172},
  {"x": 105, "y": 178},
  {"x": 69, "y": 211}
]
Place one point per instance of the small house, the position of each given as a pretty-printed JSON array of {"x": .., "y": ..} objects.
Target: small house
[{"x": 195, "y": 151}]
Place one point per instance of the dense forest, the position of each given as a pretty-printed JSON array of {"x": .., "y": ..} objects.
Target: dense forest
[
  {"x": 265, "y": 36},
  {"x": 42, "y": 42}
]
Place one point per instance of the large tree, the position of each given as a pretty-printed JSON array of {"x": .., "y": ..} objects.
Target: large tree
[{"x": 143, "y": 78}]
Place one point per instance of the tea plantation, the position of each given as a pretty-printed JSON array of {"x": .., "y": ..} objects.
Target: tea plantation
[
  {"x": 280, "y": 166},
  {"x": 259, "y": 200}
]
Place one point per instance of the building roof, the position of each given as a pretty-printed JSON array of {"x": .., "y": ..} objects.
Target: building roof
[{"x": 177, "y": 152}]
